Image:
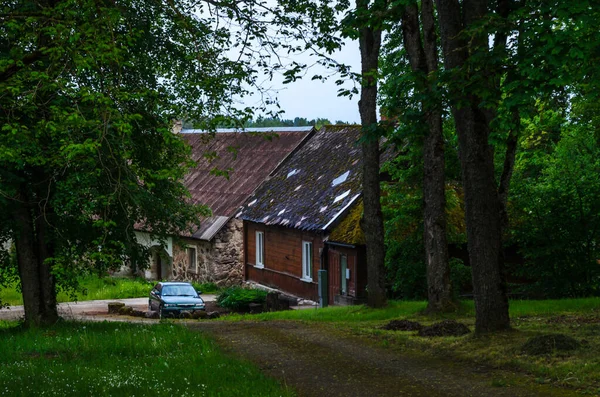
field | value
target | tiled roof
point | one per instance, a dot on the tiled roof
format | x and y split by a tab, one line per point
314	186
248	156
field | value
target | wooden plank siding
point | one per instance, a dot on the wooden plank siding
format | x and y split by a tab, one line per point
282	259
335	276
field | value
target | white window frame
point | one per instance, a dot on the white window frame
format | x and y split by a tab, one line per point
260	249
192	267
307	260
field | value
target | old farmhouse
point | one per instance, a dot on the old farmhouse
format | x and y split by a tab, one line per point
230	166
305	217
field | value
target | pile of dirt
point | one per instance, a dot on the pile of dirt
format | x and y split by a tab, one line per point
548	344
402	325
445	328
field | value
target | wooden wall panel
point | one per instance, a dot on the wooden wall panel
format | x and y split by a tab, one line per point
283	259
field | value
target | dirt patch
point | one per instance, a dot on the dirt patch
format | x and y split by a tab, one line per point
402	325
445	328
548	344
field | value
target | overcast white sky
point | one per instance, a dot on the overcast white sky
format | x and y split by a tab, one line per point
315	99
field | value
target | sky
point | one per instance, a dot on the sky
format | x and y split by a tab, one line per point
313	99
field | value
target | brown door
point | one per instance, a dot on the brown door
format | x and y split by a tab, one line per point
333	274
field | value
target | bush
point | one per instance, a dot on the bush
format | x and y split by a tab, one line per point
460	275
238	298
206	287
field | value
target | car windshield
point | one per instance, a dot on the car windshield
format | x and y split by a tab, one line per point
179	290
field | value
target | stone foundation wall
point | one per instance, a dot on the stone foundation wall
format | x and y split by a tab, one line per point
219	261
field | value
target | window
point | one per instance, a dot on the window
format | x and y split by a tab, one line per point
191	251
307	251
260	249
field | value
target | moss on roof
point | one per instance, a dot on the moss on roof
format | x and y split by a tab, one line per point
348	231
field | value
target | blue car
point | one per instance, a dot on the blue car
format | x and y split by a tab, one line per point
170	299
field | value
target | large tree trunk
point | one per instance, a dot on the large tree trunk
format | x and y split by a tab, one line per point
27	262
423	59
482	202
33	248
370	43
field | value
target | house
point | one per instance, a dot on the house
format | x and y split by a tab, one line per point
306	217
231	164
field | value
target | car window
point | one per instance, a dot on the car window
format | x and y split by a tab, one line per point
179	290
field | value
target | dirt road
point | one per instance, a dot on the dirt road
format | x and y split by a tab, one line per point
317	360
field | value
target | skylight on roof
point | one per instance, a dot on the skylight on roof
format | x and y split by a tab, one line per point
342	196
292	173
340	179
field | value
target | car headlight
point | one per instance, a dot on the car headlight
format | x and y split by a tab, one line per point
170	305
199	304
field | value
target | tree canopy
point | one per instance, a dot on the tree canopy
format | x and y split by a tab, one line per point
89	94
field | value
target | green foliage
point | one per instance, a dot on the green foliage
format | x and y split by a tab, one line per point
76	359
88	288
403	214
556	212
461	277
238	298
206	287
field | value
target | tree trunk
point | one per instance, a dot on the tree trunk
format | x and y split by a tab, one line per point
482	202
423	59
37	282
28	270
47	280
372	222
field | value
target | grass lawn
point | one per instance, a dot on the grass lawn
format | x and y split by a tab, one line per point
578	318
118	359
94	287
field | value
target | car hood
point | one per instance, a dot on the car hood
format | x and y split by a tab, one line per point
186	300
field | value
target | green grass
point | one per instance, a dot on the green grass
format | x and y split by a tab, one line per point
109	359
94	288
579	318
346	314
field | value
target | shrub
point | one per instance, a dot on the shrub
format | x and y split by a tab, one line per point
206	287
238	298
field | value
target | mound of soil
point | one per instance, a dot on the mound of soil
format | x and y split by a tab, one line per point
402	325
547	344
445	328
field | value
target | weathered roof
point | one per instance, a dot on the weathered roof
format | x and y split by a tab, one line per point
315	186
248	157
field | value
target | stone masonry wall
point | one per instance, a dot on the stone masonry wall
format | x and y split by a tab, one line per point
219	261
